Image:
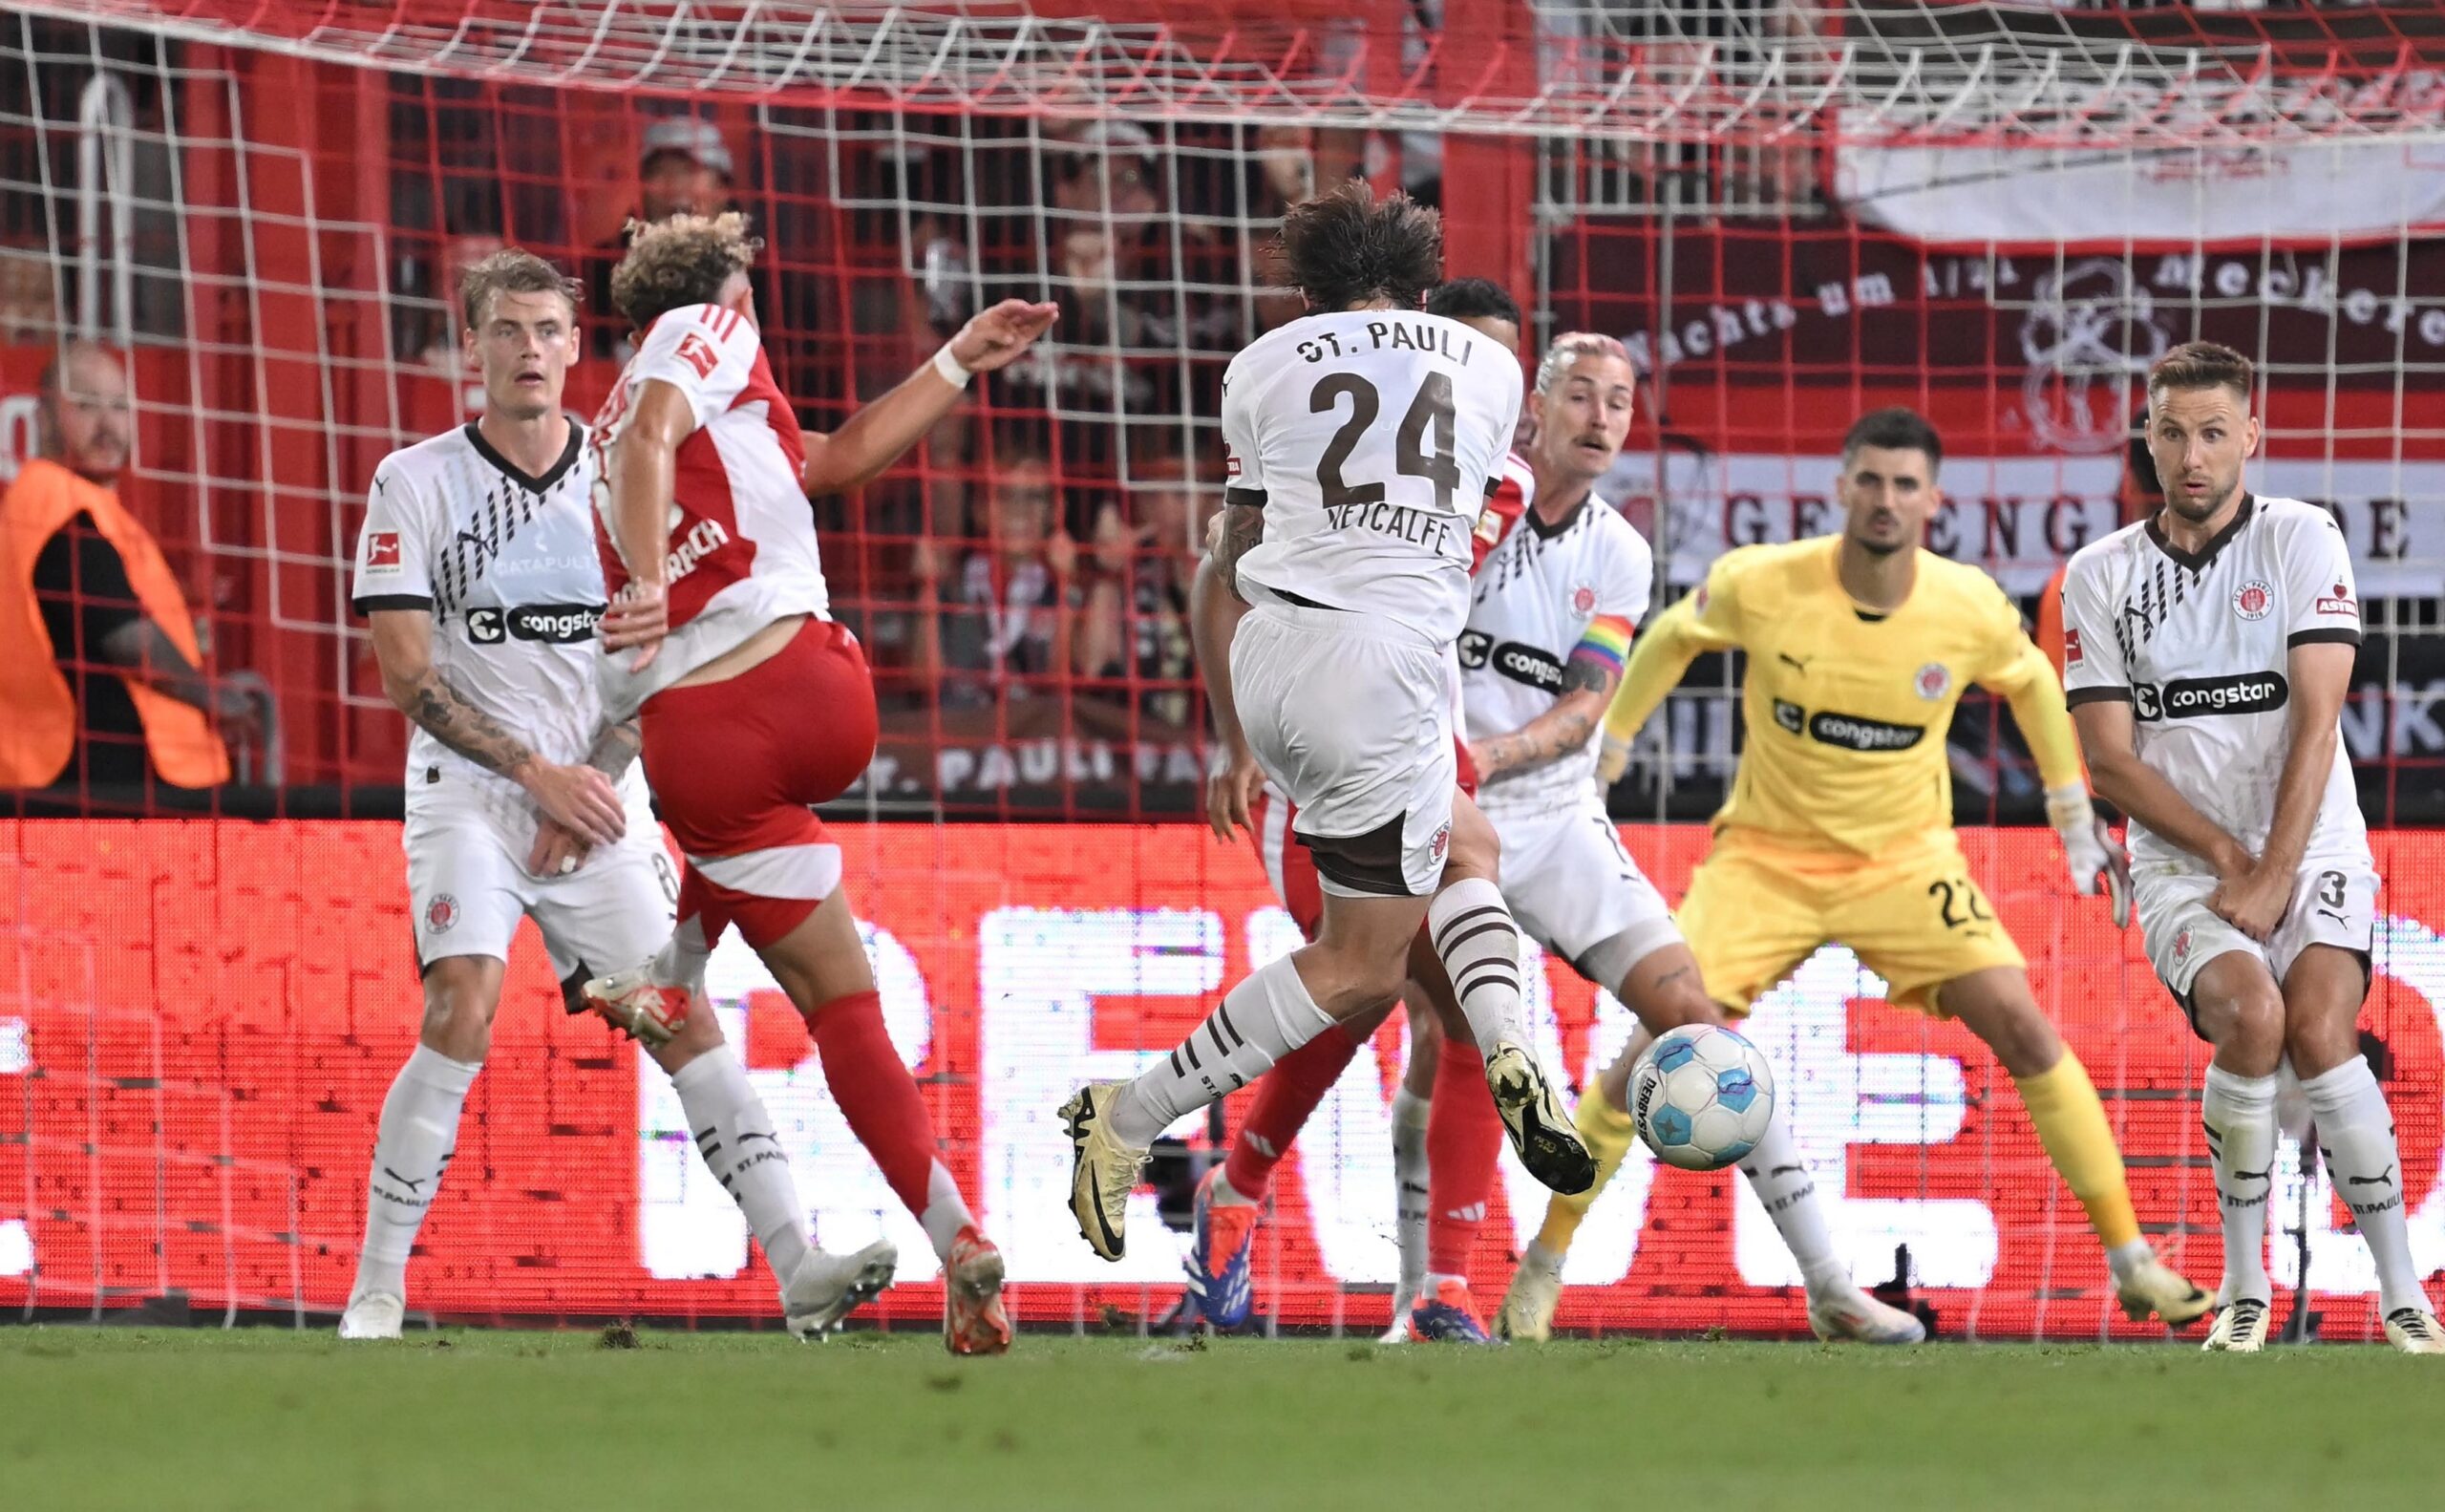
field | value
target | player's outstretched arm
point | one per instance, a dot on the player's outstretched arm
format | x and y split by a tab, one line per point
578	797
1214	614
1590	677
1671	641
2321	676
880	433
2136	788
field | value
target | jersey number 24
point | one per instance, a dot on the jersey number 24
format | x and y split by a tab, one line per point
1427	424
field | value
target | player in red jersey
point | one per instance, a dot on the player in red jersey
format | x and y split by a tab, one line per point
754	703
1446	1136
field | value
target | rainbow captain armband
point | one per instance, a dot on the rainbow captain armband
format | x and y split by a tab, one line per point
1605	645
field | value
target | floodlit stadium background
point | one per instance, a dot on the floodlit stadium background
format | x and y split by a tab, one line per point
1790	211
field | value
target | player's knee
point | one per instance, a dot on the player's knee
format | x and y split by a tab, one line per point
1351	986
1686	1003
2258	1016
699	1032
2247	1025
1998	1008
2318	1042
459	1012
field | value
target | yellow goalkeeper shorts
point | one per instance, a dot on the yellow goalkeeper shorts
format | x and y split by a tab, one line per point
1914	916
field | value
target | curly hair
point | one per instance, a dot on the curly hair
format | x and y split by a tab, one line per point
1348	248
511	270
678	262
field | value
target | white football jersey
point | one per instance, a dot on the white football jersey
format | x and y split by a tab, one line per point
1372	437
742	551
506	565
1535	597
2201	648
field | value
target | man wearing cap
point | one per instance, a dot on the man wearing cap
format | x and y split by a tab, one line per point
685	166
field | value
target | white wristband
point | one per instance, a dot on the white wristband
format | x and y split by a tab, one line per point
2068	808
949	367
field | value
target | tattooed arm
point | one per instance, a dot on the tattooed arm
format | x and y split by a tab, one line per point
577	798
1588	680
616	749
1243	527
559	849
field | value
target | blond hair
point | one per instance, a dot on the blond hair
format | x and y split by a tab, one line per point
511	270
1571	346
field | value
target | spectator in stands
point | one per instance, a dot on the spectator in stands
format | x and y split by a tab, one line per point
1136	622
29	302
686	167
101	679
1004	624
1138	290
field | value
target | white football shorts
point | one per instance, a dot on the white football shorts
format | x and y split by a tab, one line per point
1572	885
2335	901
1352	718
468	883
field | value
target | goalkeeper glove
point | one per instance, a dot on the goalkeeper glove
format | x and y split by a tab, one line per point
1612	762
2090	848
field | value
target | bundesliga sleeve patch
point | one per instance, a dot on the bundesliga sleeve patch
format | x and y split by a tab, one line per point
2073	655
382	552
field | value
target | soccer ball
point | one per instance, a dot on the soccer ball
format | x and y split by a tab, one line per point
1701	1097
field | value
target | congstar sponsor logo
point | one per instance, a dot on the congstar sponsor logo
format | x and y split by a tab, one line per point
1850	732
2197	697
554	624
1521	664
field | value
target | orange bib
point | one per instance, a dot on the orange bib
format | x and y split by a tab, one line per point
37	710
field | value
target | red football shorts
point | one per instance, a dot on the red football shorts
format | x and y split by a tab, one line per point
734	766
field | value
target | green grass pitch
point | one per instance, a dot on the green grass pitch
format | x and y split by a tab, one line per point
113	1418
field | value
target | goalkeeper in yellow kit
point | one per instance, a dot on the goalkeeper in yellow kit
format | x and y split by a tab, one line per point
1839	823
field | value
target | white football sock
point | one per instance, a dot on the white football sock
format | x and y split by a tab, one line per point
1409	1185
1478	943
1266	1017
2356	1136
946	1212
681	960
411	1148
735	1135
2239	1116
1781	1180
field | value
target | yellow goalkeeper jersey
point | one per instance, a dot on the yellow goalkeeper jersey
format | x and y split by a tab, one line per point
1847	709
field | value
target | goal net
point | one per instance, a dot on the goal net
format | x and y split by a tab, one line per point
1791	211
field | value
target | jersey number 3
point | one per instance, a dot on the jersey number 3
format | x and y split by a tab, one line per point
1424	448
